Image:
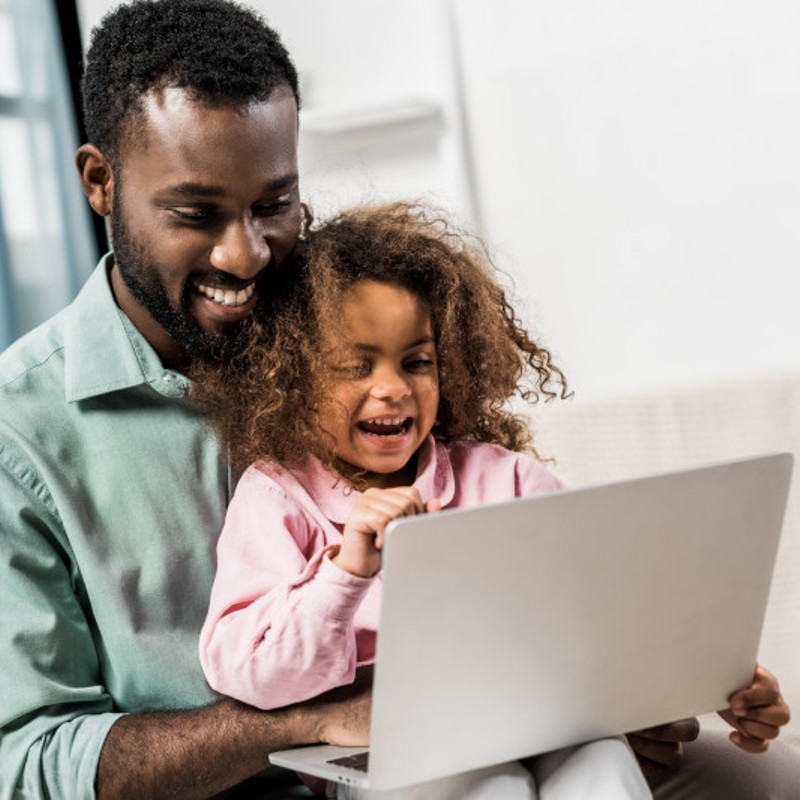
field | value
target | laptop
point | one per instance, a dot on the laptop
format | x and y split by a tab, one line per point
517	628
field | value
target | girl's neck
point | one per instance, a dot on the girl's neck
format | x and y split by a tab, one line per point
383	480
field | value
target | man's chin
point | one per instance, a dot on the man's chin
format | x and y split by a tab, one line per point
213	346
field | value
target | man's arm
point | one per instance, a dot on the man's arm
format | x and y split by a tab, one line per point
61	733
198	753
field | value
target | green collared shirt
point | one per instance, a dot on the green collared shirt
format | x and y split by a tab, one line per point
112	494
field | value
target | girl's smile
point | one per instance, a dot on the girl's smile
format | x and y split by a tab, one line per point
383	388
388	434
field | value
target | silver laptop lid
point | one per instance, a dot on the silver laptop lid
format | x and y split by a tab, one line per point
518	628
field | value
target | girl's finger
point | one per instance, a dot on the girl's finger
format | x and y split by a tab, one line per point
403	500
410	498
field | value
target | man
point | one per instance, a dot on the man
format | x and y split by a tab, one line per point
113	491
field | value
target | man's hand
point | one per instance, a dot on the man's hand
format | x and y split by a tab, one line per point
757	713
344	713
202	751
661	747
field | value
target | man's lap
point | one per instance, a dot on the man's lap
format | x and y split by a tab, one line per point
712	767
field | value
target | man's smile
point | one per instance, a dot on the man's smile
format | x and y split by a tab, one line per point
227	297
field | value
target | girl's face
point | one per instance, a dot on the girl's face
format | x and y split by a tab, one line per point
383	382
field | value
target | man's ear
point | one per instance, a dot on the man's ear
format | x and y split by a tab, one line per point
97	178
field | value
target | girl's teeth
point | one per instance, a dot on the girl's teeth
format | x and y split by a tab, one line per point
385	426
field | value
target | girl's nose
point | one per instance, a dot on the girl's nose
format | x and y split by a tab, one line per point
242	250
389	384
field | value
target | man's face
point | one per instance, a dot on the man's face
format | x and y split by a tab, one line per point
206	209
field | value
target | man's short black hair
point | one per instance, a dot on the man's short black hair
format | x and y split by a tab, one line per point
216	49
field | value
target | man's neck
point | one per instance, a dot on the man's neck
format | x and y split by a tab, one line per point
172	355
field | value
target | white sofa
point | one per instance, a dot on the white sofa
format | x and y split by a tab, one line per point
597	441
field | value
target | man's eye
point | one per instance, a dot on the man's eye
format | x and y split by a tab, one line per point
265	209
192	214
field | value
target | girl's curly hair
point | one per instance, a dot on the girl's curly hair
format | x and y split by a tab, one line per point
265	401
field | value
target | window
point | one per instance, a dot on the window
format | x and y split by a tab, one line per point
47	245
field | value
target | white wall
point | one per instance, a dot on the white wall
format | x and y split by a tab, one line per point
639	162
381	116
636	164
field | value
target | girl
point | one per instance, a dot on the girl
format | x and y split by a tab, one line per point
377	390
375	387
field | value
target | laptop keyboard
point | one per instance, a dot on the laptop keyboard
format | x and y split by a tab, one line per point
358	761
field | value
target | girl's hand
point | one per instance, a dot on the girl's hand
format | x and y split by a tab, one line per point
757	713
360	551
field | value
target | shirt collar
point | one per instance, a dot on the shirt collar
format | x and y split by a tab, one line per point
103	350
336	499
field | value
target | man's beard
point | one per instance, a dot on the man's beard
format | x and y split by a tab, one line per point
143	281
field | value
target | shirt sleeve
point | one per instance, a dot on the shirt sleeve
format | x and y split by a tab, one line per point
532	477
54	711
280	624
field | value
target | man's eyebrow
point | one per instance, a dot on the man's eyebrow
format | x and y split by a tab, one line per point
192	189
188	189
282	183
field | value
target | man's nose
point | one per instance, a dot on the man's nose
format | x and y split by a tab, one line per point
242	250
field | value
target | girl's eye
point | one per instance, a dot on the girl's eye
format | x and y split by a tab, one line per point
354	371
419	364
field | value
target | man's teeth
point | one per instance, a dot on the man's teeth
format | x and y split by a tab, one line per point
227	297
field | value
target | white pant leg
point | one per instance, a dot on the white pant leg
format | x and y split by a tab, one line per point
507	781
601	770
